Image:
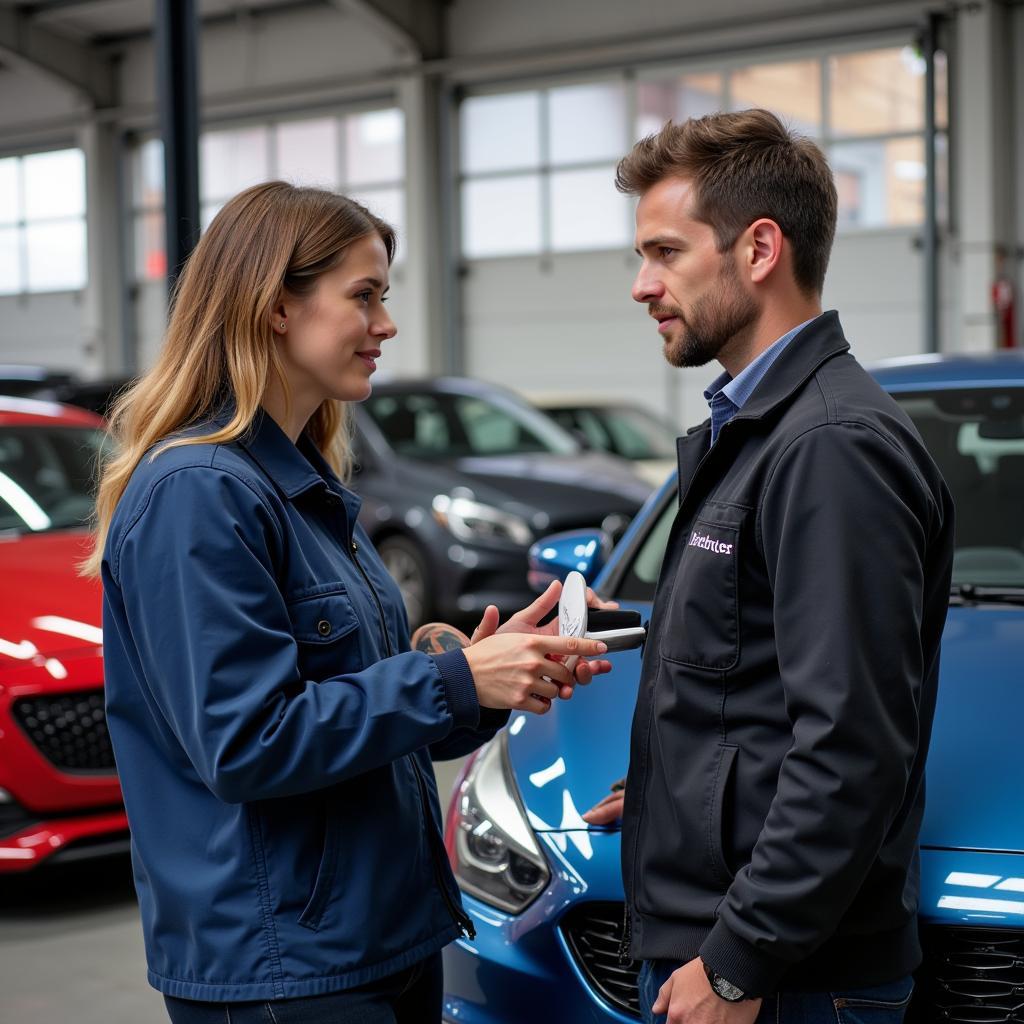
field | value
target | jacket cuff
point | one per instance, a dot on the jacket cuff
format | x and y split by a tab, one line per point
493	719
740	963
459	689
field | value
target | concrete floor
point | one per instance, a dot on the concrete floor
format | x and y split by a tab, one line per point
71	944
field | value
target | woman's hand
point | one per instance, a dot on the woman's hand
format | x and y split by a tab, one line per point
525	672
526	621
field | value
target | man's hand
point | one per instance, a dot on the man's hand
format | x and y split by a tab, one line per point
526	621
609	810
688	998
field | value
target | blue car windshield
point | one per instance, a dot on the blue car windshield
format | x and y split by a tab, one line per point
976	435
47	477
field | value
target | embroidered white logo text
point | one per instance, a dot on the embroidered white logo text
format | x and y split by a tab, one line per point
708	543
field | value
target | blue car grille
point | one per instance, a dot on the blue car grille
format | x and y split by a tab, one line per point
973	976
69	730
593	932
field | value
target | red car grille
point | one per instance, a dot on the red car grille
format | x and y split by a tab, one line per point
69	729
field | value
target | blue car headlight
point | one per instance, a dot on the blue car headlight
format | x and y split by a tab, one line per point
492	847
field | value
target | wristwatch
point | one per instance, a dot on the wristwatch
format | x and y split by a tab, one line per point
724	989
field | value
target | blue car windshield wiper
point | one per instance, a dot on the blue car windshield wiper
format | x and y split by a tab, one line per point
977	593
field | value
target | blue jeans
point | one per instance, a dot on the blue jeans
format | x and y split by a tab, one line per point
882	1004
412	996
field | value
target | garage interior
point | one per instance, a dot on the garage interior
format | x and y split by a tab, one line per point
487	132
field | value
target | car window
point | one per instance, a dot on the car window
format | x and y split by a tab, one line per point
430	425
976	436
638	581
47	476
636	435
494	431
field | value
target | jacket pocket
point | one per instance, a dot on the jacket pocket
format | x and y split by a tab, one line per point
702	629
323	885
322	617
716	820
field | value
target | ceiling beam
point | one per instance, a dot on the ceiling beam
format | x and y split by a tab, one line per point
22	42
415	27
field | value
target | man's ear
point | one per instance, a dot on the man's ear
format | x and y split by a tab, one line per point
764	249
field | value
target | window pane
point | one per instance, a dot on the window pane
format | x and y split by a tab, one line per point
56	256
586	210
231	161
389	205
880	184
306	152
150	250
676	99
373	147
10	262
10	191
501	216
148	174
500	133
791	89
55	184
877	92
587	122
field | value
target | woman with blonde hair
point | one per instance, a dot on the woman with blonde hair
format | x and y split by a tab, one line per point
272	728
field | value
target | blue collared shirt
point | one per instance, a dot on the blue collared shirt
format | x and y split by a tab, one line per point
727	395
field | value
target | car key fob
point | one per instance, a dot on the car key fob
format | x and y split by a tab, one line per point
620	630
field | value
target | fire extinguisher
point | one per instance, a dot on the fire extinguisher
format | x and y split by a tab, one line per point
1004	302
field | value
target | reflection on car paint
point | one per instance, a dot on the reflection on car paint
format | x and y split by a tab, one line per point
549	774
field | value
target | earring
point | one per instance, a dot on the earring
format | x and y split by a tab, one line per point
282	325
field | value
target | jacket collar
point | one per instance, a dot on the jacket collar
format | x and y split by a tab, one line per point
294	468
821	340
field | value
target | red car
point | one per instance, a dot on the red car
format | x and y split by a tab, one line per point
59	795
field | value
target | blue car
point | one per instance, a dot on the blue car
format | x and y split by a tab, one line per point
544	888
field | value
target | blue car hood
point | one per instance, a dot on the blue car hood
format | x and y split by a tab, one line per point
565	761
975	773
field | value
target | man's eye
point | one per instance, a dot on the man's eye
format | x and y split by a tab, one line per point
364	296
665	251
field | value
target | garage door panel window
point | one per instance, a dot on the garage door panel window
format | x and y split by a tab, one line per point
42	222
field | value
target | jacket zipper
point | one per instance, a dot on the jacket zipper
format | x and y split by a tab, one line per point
460	917
627	937
354	548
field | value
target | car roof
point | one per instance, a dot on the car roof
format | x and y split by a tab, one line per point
950	370
32	412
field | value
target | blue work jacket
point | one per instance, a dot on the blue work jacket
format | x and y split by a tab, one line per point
272	729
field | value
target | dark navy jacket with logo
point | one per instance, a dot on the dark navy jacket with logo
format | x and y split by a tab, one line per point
775	788
273	731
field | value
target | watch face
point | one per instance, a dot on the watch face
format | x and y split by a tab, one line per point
727	990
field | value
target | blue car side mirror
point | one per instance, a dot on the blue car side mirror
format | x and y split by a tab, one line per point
555	556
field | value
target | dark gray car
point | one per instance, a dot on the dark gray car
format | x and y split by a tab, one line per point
459	477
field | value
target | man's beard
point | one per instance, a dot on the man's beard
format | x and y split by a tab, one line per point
717	317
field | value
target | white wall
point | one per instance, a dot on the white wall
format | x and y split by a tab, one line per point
42	329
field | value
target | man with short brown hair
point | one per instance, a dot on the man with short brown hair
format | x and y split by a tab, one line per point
775	790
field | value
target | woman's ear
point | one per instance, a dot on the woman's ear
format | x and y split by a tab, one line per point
279	318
